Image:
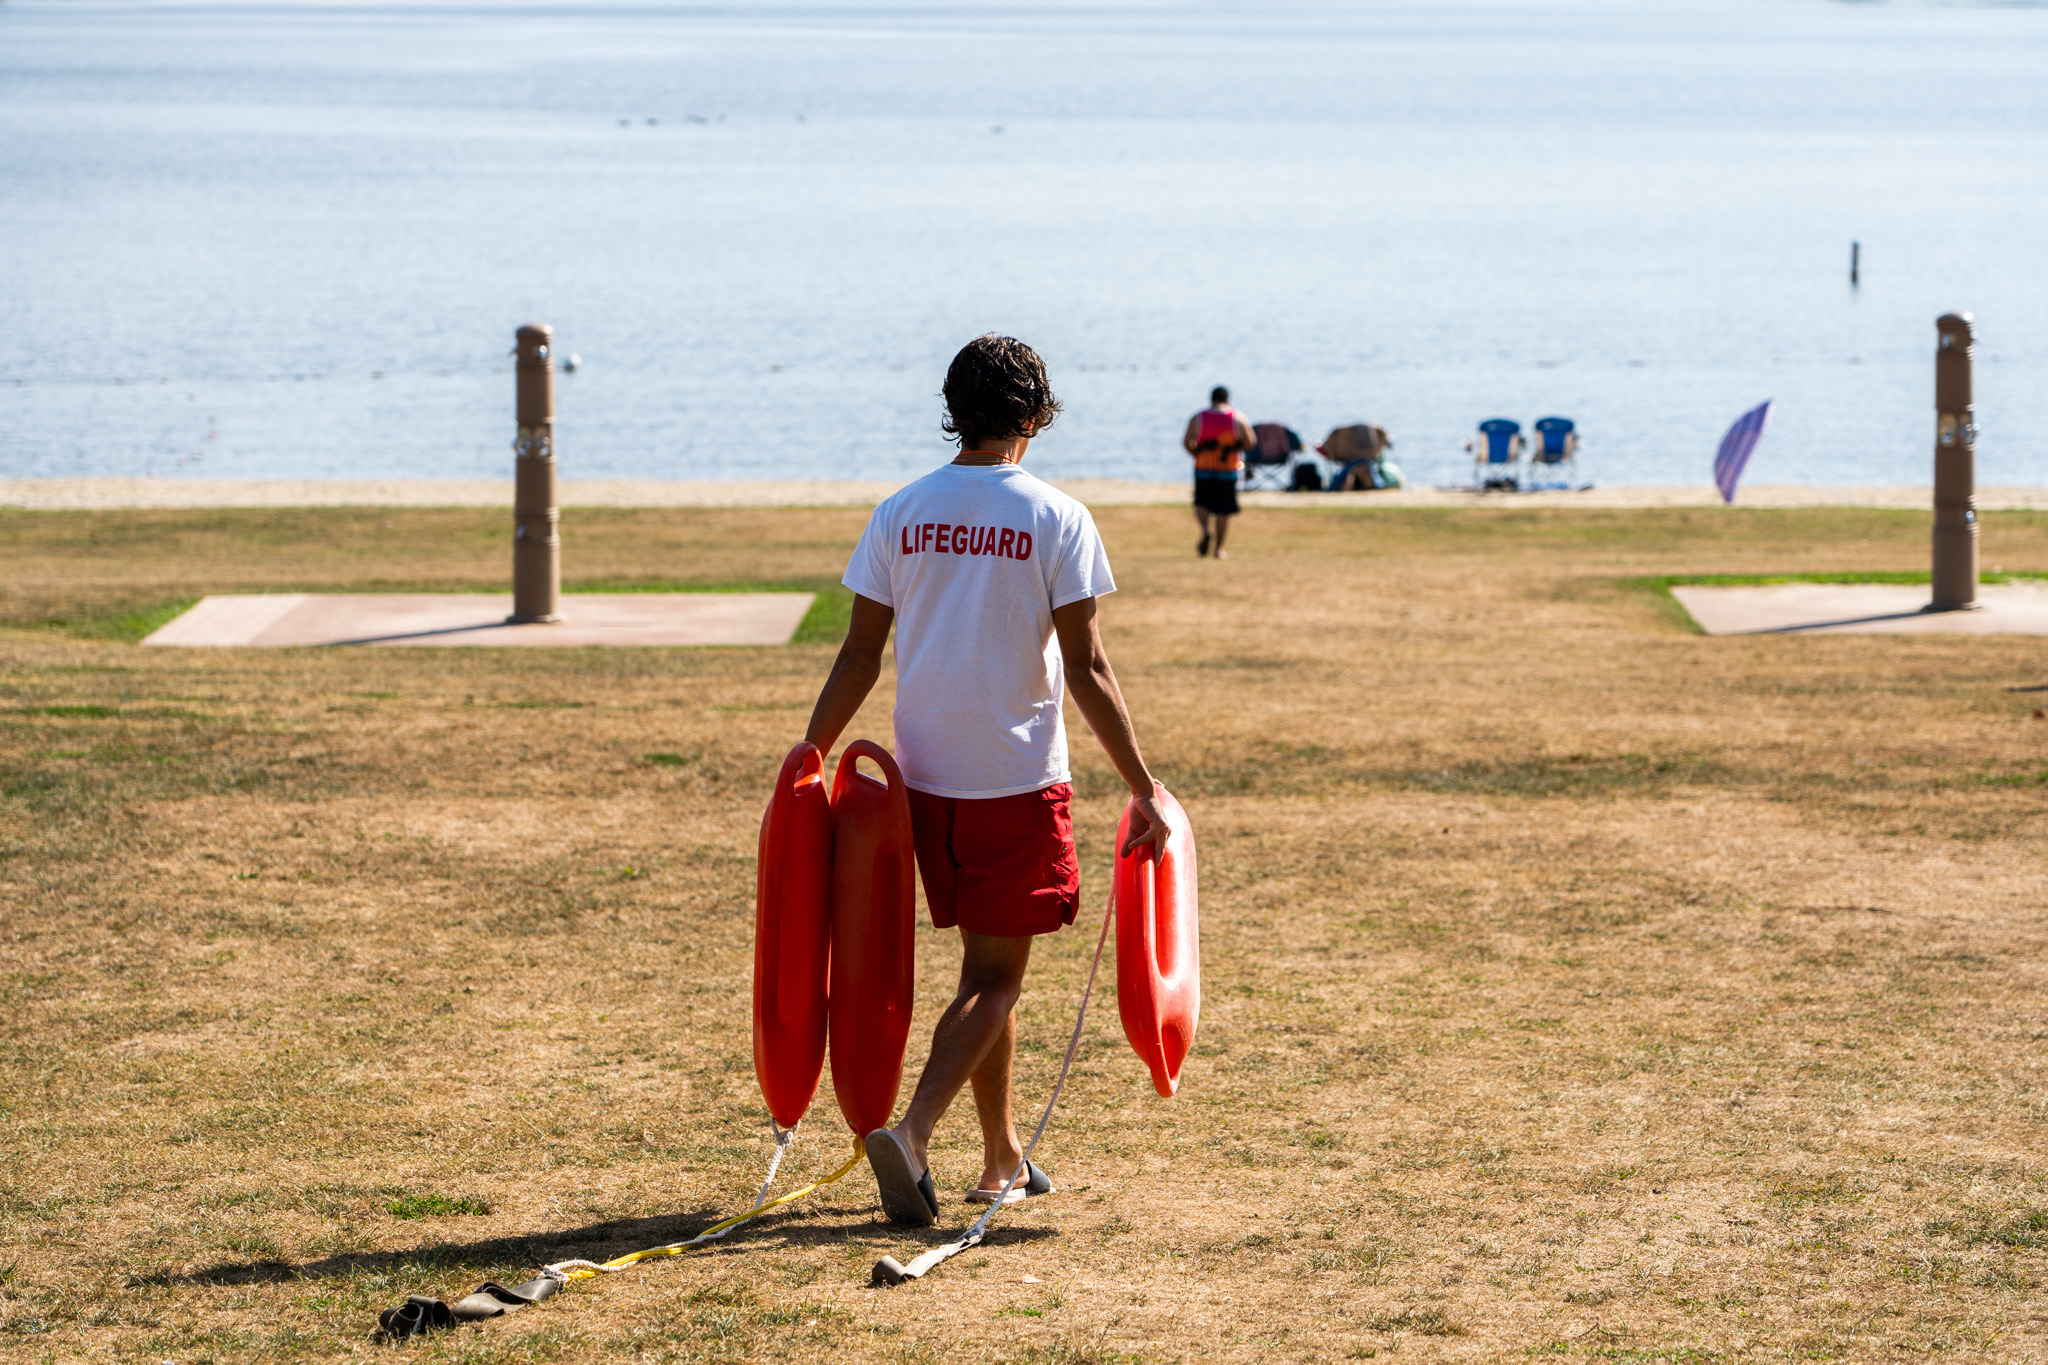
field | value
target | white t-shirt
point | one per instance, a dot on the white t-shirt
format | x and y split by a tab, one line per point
974	559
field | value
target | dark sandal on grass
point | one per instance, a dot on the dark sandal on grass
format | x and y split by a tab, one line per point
1035	1182
906	1198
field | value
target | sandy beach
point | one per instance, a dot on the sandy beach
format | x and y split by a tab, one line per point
110	493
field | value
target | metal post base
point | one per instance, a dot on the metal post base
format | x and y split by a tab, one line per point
1952	606
517	620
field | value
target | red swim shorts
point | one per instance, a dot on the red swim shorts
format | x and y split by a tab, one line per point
1001	865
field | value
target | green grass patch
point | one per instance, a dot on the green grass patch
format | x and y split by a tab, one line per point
1799	1191
435	1206
826	622
1427	1322
2021	779
126	624
2023	1231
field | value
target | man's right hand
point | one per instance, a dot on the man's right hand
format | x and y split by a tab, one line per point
1148	826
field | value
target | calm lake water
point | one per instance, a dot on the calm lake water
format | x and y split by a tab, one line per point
259	240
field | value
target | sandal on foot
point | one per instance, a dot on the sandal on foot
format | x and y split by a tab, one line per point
1035	1182
906	1198
1202	545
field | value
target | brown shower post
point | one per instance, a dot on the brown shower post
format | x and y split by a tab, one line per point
536	533
1955	467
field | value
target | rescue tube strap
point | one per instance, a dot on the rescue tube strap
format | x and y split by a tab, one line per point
420	1314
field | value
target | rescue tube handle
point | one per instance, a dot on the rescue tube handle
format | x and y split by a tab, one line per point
892	776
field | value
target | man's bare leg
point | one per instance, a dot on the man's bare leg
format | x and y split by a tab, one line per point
976	1024
1202	520
1000	1149
1222	530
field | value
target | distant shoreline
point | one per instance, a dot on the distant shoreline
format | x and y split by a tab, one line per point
108	494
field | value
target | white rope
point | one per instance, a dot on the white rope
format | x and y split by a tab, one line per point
886	1270
783	1138
973	1234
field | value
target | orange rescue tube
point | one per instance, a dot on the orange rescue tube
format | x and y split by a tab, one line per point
792	934
874	936
1158	946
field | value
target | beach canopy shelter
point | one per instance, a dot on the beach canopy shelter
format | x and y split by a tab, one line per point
1497	455
1358	451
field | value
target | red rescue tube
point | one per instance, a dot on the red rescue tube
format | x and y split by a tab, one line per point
1158	946
792	929
874	936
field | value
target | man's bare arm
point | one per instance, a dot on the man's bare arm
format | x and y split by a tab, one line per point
1187	439
853	673
1092	684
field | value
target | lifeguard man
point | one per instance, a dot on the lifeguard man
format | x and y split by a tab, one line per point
1217	436
990	578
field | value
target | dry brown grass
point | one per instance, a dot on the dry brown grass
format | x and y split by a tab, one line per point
1576	985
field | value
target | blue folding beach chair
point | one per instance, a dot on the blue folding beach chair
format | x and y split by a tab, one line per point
1270	461
1497	455
1554	463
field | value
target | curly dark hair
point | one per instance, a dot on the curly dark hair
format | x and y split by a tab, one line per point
996	389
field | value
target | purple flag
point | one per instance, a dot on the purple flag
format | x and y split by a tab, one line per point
1736	447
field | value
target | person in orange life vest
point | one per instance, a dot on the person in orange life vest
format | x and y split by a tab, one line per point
990	578
1217	437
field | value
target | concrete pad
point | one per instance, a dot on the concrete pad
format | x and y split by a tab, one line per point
1862	609
425	618
229	619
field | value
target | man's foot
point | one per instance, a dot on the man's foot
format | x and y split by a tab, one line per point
1035	1182
908	1195
1202	545
1223	554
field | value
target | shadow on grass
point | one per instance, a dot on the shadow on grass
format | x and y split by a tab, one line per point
497	1256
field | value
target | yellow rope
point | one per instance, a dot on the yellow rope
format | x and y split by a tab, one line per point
587	1271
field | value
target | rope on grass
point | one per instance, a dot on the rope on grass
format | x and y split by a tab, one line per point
571	1271
421	1314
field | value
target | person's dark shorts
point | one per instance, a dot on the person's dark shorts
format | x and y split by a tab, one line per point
1001	865
1217	495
